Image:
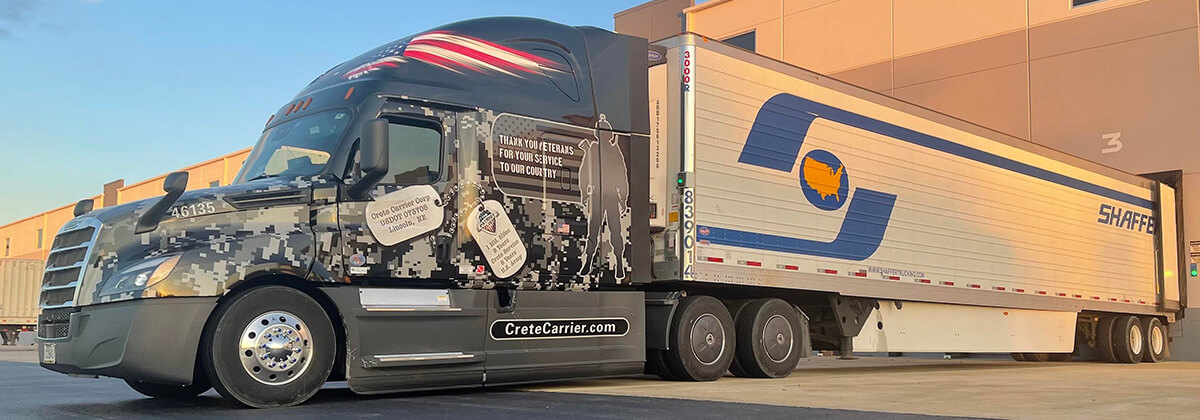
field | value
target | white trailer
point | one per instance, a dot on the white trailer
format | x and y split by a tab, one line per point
932	234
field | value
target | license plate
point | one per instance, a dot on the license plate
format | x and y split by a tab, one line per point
48	356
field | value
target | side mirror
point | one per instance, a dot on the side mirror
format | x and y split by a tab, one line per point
174	185
83	206
373	157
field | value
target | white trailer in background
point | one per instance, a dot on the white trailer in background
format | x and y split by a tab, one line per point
926	233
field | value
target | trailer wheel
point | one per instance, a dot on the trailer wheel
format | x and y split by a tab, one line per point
1104	338
198	386
735	310
1060	357
1129	340
702	340
1020	357
767	338
1036	357
270	346
1156	340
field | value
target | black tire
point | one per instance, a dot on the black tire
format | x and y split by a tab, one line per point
704	321
1036	357
768	338
1020	357
1060	357
656	364
735	310
223	354
1156	340
1129	340
1104	338
171	392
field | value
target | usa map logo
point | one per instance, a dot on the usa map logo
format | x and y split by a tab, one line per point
775	142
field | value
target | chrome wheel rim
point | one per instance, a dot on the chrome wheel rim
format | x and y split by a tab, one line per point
1135	339
275	348
708	339
777	338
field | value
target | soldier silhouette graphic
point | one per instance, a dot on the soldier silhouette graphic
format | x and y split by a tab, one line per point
604	189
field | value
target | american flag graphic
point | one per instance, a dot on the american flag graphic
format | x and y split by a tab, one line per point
458	53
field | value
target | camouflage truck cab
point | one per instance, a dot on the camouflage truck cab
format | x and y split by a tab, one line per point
457	179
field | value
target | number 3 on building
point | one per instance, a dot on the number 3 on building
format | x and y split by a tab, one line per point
1114	144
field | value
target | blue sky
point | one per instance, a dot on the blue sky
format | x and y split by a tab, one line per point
97	90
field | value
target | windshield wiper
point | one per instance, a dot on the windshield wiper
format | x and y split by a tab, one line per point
263	175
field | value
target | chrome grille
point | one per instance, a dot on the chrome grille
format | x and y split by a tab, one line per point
64	269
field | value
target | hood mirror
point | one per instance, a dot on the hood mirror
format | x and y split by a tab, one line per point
174	185
83	206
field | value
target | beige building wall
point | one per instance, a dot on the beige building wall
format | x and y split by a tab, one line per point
20	239
1041	70
652	20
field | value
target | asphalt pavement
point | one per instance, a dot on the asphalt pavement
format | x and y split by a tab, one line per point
32	392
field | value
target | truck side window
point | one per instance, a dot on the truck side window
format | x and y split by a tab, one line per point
415	152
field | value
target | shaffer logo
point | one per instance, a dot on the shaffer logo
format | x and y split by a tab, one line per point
776	141
539	329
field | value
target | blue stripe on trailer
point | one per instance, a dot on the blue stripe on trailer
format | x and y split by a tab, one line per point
783	121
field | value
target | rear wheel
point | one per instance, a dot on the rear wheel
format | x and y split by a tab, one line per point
1104	338
271	346
1060	357
1156	340
702	340
656	364
767	338
1129	340
735	310
1036	357
198	386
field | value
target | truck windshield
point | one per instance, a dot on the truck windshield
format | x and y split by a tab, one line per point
296	148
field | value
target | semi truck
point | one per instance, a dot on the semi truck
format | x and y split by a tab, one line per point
20	283
510	200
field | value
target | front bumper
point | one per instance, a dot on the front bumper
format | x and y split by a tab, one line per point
150	340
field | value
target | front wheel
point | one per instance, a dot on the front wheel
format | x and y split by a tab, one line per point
153	390
270	346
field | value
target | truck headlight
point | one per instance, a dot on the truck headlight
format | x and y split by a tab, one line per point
138	279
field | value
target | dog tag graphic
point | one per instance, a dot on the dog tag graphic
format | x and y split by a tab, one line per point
404	214
497	238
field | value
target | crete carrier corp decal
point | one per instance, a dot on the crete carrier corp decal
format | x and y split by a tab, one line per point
536	329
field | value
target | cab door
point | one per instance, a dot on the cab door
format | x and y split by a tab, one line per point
401	232
396	243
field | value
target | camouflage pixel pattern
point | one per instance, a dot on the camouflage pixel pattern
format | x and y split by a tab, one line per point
308	228
217	249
